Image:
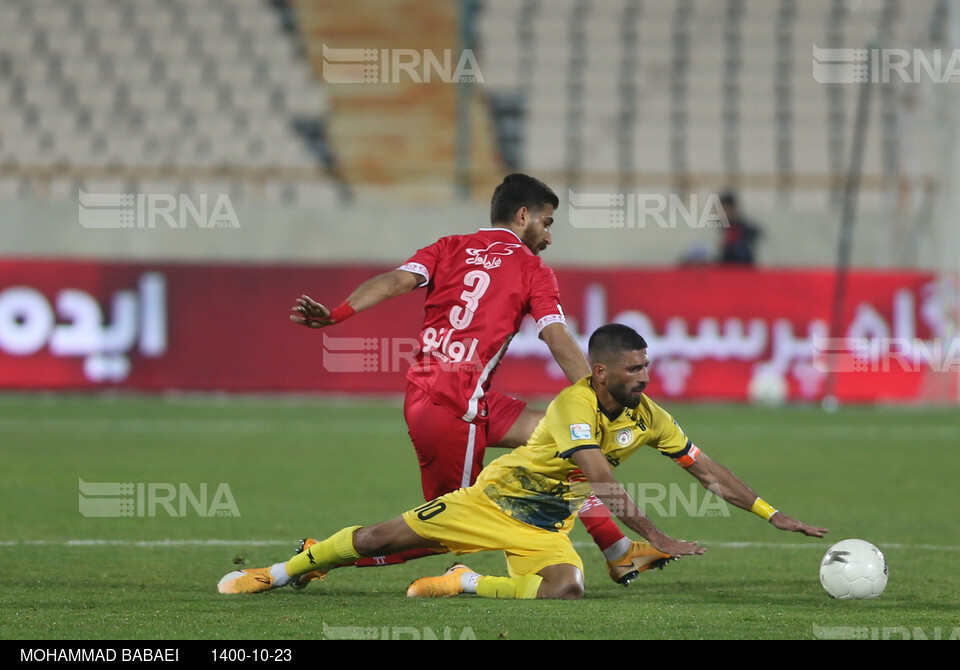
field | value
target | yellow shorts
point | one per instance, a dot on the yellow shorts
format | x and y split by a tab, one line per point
466	521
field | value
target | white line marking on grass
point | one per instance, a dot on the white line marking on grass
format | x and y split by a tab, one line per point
279	543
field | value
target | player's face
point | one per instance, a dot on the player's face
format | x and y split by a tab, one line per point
536	233
628	377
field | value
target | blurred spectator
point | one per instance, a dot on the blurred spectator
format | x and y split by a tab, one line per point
740	236
698	253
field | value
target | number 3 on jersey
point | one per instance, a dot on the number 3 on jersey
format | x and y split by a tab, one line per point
477	282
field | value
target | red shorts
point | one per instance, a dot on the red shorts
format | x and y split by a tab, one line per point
449	449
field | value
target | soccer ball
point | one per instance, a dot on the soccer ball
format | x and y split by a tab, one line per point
767	388
853	569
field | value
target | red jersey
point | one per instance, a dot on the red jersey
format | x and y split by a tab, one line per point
479	288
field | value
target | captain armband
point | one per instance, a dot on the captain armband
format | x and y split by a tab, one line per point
687	456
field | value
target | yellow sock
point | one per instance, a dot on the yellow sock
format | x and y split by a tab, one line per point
336	550
525	586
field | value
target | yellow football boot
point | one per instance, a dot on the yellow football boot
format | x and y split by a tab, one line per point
639	557
444	586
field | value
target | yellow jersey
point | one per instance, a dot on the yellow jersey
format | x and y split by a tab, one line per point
539	484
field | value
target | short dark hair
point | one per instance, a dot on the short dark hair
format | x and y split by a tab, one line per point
613	339
520	190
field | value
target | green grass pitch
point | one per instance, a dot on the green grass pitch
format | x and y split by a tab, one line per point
309	467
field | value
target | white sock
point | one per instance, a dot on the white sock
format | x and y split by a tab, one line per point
617	549
279	573
468	580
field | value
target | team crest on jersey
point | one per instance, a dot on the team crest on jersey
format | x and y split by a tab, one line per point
624	437
489	258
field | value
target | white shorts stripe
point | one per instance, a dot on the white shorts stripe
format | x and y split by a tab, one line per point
468	459
473	405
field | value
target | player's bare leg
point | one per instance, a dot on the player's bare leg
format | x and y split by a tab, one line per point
369	536
521	430
342	548
391	537
562	581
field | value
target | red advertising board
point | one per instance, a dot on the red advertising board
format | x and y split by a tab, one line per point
713	333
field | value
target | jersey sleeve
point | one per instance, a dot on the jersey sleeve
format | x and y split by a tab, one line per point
424	262
669	438
572	422
545	298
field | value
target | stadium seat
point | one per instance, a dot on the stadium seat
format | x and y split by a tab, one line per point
707	77
143	85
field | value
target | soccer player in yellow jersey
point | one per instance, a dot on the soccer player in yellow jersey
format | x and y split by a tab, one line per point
524	503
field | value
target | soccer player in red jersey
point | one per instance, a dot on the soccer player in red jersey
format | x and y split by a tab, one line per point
480	286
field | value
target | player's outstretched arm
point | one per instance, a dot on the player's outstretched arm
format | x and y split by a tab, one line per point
784	522
728	486
566	351
308	312
595	468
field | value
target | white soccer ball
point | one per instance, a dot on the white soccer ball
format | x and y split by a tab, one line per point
853	569
768	388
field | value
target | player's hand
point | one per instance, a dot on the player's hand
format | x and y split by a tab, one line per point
310	313
784	522
676	548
